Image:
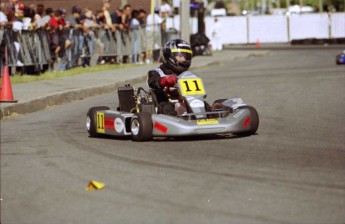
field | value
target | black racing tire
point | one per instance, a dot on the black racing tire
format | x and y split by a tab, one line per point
219	101
141	127
91	124
337	60
254	121
218	105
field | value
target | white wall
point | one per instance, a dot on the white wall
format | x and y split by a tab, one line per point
234	29
268	29
309	26
278	28
337	25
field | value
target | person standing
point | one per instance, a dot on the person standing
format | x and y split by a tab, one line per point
10	9
142	20
90	26
125	22
217	44
153	33
135	36
76	36
165	9
107	17
39	14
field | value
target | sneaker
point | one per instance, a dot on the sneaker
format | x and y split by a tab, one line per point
20	64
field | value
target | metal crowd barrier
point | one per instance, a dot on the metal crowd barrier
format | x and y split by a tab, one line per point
34	48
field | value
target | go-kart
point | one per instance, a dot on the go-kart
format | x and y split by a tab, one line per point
340	58
137	114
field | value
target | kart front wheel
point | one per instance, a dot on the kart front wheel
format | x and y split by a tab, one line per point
141	127
91	122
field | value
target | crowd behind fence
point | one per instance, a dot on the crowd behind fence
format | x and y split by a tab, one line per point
33	51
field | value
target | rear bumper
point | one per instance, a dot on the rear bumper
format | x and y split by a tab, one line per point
164	125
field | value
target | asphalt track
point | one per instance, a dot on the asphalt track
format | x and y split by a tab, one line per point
291	171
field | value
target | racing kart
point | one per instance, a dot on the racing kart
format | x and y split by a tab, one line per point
137	115
340	58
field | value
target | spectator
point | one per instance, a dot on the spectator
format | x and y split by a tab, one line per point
46	19
55	28
116	19
99	17
64	40
153	29
165	9
142	20
89	23
142	17
3	17
18	26
125	17
19	11
29	22
10	9
62	21
125	25
39	15
3	23
135	36
77	40
217	36
107	18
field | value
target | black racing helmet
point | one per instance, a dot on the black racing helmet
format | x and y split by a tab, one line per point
173	51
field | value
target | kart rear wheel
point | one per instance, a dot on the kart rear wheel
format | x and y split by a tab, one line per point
254	121
141	127
91	124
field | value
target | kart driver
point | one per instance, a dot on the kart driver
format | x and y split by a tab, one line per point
177	58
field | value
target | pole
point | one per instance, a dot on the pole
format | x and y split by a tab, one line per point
123	3
184	20
152	25
201	15
321	5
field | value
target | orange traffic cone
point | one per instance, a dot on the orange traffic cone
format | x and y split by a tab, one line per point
257	44
6	95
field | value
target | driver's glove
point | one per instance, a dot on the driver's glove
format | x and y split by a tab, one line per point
169	81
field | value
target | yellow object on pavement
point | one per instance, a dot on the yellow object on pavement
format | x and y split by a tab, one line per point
95	185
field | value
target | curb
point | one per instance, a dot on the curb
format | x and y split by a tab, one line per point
62	98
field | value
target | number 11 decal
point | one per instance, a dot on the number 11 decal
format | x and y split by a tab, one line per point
191	86
195	83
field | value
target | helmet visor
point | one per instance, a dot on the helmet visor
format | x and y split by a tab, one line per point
182	56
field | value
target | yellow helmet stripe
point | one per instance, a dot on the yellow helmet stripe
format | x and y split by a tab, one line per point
181	50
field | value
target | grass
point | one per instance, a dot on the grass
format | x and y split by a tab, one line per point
49	75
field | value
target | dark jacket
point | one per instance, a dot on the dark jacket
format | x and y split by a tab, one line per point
154	79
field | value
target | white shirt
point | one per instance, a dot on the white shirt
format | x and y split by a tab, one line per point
217	29
156	20
3	17
166	8
45	19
